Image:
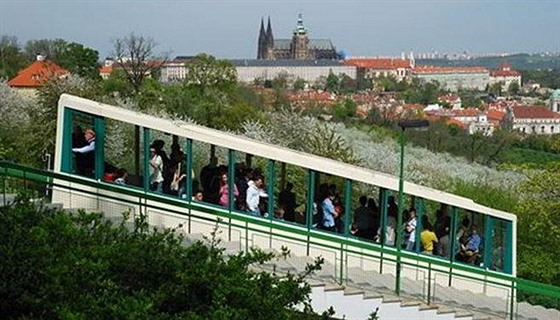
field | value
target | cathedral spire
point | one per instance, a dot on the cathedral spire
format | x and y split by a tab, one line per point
269	36
262	41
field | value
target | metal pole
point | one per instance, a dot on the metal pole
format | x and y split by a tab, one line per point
399	216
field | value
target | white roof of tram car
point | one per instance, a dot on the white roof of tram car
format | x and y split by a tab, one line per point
273	152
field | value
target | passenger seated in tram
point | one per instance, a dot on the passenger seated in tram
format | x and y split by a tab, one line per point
121	176
469	251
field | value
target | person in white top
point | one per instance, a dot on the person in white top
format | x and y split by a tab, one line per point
411	230
86	160
254	192
156	169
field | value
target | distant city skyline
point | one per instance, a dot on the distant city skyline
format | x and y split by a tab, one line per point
229	29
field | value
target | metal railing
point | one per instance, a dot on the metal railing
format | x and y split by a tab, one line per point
426	278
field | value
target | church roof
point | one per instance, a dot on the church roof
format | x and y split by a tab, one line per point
285	63
314	44
536	112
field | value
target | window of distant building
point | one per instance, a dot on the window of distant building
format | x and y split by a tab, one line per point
542	129
551	129
523	130
533	129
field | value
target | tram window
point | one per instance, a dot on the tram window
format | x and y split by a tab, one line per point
499	240
470	238
124	153
329	203
83	135
256	189
209	163
290	193
365	220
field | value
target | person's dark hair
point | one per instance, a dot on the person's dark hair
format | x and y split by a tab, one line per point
371	204
289	186
121	172
363	201
426	223
466	222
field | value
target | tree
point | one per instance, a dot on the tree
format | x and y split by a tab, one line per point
79	60
205	71
58	265
11	58
299	84
495	89
539	233
135	55
513	88
347	84
333	83
344	109
52	49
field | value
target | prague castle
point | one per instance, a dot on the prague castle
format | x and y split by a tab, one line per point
299	47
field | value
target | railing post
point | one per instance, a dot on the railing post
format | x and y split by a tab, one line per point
189	169
309	207
429	283
453	234
99	166
488	239
382	231
231	187
146	177
270	192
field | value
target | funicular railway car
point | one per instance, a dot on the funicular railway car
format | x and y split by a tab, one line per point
201	179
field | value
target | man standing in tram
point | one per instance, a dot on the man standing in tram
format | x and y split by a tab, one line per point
86	161
156	171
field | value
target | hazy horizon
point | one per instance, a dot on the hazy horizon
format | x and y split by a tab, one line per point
229	29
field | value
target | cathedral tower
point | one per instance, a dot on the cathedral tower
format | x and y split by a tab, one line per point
300	41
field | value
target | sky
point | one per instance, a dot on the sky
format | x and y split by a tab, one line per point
229	29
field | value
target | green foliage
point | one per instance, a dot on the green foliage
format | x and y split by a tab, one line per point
80	60
78	266
549	78
422	92
538	216
495	89
333	83
117	83
299	84
205	71
11	58
513	88
344	109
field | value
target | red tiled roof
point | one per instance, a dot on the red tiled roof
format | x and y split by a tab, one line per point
106	70
432	69
455	122
495	115
450	97
470	112
537	112
504	73
379	63
36	74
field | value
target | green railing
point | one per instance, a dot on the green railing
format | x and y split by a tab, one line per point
16	177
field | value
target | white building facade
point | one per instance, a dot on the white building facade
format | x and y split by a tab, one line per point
308	70
454	78
533	120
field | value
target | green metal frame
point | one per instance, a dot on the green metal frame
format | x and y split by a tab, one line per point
231	179
146	138
488	243
99	125
189	169
270	188
67	162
